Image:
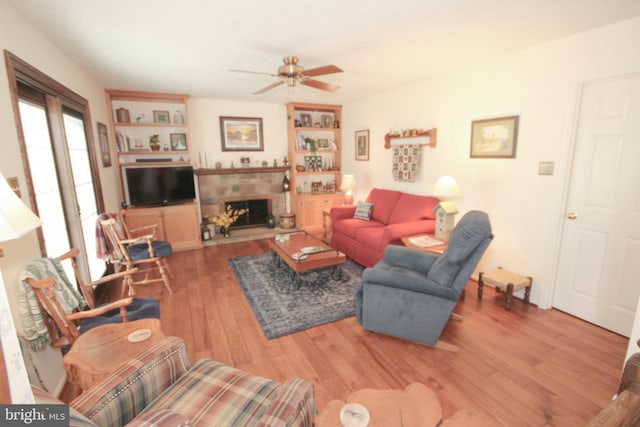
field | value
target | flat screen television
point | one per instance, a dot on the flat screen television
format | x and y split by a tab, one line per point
158	185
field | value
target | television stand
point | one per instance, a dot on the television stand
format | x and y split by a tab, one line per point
176	223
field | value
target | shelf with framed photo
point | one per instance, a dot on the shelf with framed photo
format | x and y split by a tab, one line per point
314	148
151	130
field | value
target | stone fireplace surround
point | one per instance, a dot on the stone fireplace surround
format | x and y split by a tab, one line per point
217	186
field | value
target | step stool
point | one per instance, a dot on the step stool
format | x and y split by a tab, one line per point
505	281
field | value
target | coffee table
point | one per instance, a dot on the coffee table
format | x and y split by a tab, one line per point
314	253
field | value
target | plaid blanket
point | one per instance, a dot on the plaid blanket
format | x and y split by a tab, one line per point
35	328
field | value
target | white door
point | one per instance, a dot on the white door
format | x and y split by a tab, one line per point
598	276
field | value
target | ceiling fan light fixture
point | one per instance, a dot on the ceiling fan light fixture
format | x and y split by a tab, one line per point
291	73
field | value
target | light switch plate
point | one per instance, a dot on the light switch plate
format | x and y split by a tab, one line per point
545	168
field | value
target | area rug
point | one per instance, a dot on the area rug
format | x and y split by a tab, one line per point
281	308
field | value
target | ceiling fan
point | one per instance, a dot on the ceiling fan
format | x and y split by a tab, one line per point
291	73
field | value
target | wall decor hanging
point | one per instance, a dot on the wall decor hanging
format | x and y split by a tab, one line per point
241	134
494	138
362	144
407	154
406	161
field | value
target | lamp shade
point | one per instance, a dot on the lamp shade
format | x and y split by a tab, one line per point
348	183
446	187
16	219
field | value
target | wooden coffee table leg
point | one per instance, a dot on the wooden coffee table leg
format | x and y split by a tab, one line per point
336	274
509	296
480	285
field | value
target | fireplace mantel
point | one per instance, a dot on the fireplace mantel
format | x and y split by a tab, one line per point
240	170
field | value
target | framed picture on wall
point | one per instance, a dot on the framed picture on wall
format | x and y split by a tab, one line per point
105	150
494	138
241	134
362	144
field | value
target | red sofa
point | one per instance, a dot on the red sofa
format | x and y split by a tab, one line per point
394	215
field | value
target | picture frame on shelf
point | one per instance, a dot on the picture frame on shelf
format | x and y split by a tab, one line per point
241	134
105	150
178	141
322	143
161	116
326	120
305	120
494	138
362	145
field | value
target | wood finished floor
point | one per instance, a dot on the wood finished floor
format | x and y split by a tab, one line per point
527	367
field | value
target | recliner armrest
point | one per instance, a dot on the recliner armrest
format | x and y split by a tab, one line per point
399	277
413	259
121	396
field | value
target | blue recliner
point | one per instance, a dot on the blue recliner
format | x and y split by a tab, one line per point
411	293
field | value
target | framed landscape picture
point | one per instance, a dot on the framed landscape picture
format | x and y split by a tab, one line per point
494	138
241	134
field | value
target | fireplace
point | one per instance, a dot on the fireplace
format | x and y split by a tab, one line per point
259	209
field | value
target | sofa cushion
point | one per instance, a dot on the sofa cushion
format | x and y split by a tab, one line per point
411	207
371	238
349	227
213	394
160	418
384	201
363	211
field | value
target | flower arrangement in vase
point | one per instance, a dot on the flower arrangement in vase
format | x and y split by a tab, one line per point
227	218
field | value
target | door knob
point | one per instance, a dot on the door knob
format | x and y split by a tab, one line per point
572	215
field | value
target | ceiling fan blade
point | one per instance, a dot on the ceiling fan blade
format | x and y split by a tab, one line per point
320	85
254	72
268	88
327	69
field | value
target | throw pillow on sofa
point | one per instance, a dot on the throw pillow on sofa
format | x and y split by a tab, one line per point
363	211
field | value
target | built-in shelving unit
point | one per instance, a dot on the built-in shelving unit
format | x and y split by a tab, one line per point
315	154
135	117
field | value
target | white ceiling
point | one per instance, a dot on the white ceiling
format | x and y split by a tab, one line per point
188	46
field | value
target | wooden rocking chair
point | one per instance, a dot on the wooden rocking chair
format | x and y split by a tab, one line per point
65	325
132	251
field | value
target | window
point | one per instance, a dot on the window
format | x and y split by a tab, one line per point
60	163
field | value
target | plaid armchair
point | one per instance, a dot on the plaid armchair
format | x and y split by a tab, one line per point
160	387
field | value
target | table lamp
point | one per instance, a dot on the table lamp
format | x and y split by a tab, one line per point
16	220
445	188
348	185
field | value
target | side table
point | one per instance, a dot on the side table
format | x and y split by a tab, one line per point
415	406
505	281
103	349
436	249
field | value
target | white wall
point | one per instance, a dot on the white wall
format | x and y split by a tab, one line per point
18	36
539	85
